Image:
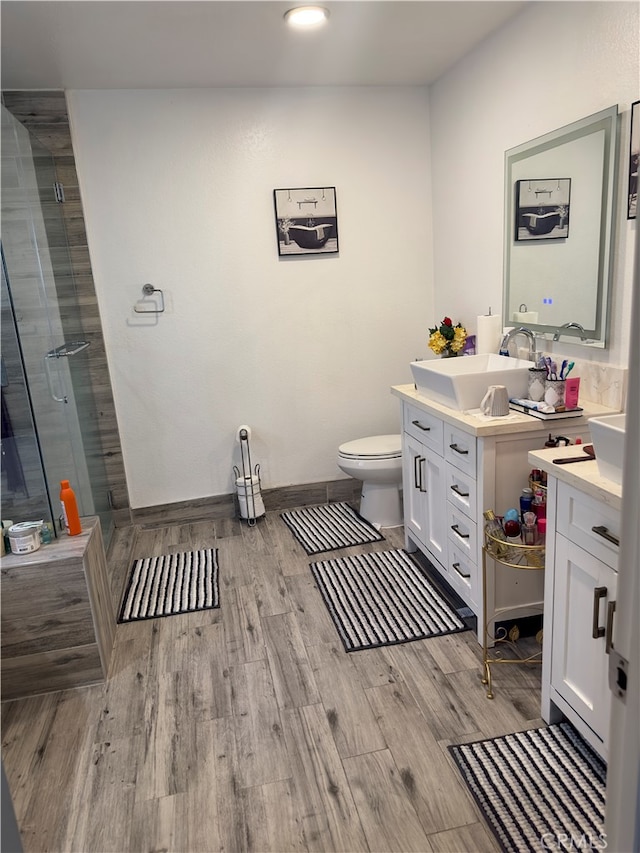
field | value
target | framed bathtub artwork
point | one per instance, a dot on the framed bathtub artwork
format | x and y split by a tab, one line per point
542	208
634	156
306	220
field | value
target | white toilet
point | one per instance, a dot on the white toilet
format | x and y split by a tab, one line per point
377	461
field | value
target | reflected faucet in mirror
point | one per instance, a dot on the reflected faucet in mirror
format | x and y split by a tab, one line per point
512	333
581	331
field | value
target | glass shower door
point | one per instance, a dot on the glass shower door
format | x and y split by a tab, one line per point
54	338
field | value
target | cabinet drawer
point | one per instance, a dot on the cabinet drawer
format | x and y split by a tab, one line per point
460	449
589	523
462	575
425	427
461	490
462	533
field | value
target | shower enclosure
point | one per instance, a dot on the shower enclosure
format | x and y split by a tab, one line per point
49	416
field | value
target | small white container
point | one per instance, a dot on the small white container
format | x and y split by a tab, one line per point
24	538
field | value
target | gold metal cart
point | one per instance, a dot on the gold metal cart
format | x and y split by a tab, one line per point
519	558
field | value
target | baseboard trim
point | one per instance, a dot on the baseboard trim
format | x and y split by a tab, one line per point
225	506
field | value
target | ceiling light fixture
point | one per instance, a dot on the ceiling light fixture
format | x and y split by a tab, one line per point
306	16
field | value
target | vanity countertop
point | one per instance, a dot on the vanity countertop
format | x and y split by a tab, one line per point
475	423
584	476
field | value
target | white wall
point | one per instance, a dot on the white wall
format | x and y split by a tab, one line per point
177	191
552	65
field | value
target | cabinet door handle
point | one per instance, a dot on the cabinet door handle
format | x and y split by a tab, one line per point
420	426
456	566
455	489
601	530
457	450
597	630
608	637
455	529
416	473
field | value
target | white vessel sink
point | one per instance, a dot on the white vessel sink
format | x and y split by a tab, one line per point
462	382
607	435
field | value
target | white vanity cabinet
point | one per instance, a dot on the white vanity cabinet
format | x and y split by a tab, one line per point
443	529
580	599
455	466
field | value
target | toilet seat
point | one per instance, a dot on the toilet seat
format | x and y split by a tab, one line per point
372	447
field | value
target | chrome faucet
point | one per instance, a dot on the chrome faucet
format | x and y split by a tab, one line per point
558	332
512	333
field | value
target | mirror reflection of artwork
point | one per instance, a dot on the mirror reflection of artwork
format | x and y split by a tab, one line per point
542	208
306	220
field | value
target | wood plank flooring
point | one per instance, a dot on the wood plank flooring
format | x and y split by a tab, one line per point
248	728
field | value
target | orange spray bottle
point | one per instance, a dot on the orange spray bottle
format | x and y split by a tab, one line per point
69	509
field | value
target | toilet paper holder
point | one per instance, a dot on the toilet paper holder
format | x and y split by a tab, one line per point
248	481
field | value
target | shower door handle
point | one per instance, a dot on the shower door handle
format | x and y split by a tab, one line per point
47	371
67	350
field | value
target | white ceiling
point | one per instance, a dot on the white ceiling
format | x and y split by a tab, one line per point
91	44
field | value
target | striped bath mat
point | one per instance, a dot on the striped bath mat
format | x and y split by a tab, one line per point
381	599
173	583
328	527
542	789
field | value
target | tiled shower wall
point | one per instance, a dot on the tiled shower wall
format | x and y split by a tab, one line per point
44	114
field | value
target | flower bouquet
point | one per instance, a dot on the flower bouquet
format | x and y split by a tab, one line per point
447	339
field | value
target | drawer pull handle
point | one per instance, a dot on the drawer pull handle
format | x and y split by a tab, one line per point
457	450
455	529
597	629
608	637
455	489
601	530
456	566
420	426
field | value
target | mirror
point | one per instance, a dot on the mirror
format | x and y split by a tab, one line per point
559	216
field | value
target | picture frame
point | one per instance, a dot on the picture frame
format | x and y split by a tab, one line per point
306	221
634	157
542	208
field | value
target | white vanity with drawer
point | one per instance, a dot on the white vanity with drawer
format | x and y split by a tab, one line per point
583	535
455	466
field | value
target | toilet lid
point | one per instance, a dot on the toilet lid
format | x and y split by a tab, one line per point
379	446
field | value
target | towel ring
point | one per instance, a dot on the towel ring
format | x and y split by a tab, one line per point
149	290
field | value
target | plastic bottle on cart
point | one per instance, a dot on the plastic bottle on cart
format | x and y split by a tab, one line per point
539	505
69	509
526	499
529	529
542	530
